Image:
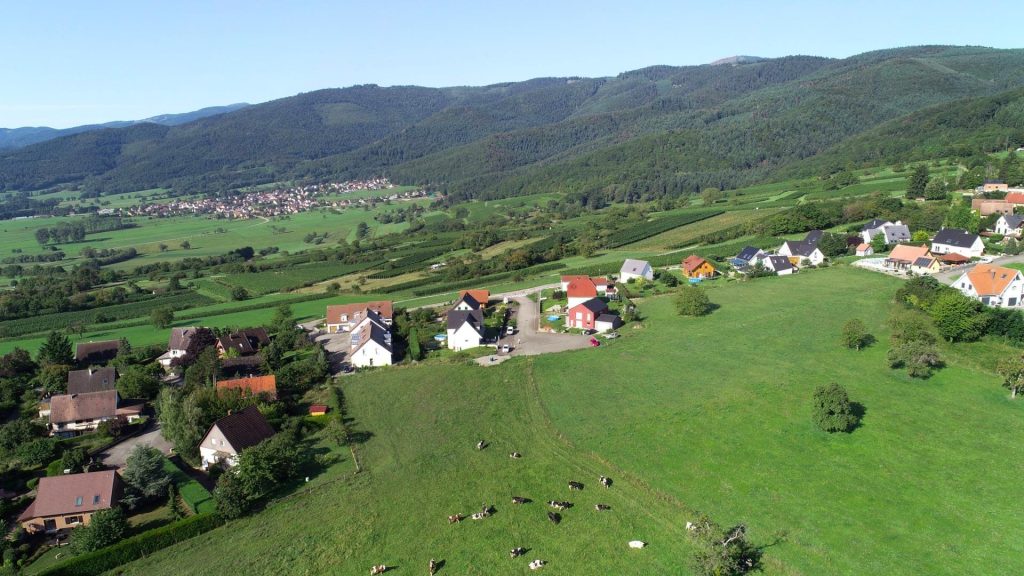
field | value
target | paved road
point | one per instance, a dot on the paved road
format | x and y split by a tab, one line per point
528	341
117	455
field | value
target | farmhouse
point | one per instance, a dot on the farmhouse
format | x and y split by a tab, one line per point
345	317
579	290
96	353
242	342
265	386
959	241
91	380
232	434
70	500
993	285
465	329
635	269
903	256
73	414
177	345
749	256
696	267
371	342
894	232
778	264
584	315
865	249
1009	225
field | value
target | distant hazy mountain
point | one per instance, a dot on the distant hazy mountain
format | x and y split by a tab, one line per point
738	60
662	130
18	137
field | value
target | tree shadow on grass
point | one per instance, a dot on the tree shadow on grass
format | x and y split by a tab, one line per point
859	411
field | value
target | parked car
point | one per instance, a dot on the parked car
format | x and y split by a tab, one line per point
505	349
611	335
510	330
595	342
347	368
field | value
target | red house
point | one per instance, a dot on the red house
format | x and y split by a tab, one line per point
584	315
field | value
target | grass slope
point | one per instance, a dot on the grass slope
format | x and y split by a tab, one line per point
716	412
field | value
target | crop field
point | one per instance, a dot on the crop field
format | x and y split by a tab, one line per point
689	234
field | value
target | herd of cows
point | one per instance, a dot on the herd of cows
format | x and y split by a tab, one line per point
487	510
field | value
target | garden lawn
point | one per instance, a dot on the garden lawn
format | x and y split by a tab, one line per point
716	411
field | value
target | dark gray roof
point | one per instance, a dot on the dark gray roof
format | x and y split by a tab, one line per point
896	233
245	342
876	223
955	237
802	247
241	366
748	253
612	318
87	353
595	305
1013	220
456	318
91	380
469	300
244	428
923	261
780	263
180	338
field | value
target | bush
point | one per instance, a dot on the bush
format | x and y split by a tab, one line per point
133	548
692	301
855	334
832	409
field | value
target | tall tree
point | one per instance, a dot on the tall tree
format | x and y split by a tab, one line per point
144	472
56	350
1012	371
692	301
917	182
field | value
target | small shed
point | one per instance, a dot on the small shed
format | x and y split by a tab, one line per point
318	410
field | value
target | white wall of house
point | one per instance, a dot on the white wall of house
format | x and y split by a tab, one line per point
576	300
464	337
974	251
79	426
1012	296
603	327
371	354
1002	228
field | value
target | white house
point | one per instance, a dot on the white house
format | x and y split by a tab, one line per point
371	343
778	264
804	250
177	345
345	317
956	241
579	290
749	256
635	269
865	249
1009	225
465	329
74	414
993	286
466	303
231	434
894	232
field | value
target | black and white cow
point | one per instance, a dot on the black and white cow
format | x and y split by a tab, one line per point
600	507
517	552
606	481
555	517
520	500
573	485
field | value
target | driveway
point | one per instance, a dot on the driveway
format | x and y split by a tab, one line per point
528	341
948	276
117	455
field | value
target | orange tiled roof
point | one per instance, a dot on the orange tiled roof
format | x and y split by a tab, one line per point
481	296
908	253
991	280
692	262
581	287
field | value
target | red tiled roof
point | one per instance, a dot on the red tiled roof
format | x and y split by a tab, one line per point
692	262
74	493
252	385
335	312
581	287
991	280
1015	198
481	296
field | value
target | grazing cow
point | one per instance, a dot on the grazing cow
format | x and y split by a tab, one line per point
517	552
573	485
455	518
519	500
478	516
557	505
606	481
434	566
378	569
600	507
537	564
555	517
481	445
690	526
487	509
637	544
515	455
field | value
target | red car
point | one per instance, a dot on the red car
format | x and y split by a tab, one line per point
595	342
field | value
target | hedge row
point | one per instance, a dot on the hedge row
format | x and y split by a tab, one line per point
133	548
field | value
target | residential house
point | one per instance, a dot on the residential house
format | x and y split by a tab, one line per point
604	286
635	269
73	414
242	342
1009	225
994	186
925	265
803	251
371	343
865	249
465	329
70	500
1015	198
345	317
231	434
960	241
778	264
177	345
694	266
579	290
251	386
749	256
988	206
466	302
894	232
481	296
92	380
607	322
584	315
241	366
96	353
903	256
993	285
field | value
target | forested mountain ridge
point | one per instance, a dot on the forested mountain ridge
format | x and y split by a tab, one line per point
648	132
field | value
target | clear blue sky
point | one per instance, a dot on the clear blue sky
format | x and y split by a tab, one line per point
66	63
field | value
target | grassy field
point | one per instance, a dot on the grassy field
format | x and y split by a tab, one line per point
689	234
709	414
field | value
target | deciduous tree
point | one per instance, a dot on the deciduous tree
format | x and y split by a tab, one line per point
832	409
692	301
855	334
